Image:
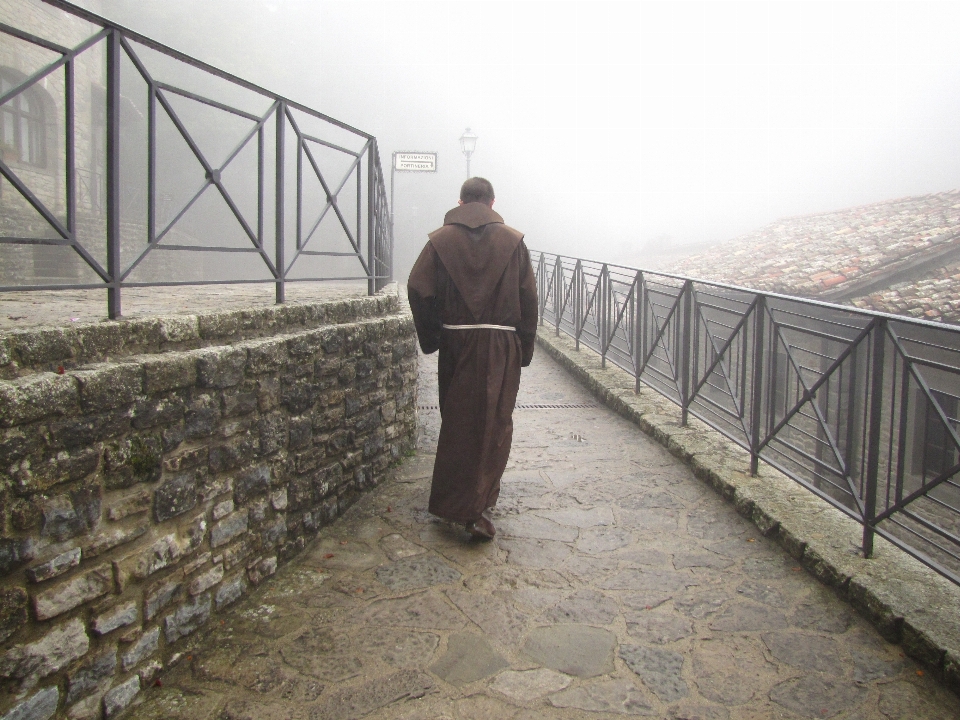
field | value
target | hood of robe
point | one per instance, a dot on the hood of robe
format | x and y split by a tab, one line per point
475	247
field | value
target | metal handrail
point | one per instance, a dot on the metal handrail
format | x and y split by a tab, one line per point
120	45
860	408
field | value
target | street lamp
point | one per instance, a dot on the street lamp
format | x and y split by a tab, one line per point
468	143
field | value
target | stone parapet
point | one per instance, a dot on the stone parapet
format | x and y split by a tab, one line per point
165	467
909	603
52	349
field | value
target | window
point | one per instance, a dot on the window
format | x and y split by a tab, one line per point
22	129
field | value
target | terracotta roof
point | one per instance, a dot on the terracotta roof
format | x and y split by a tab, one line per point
900	256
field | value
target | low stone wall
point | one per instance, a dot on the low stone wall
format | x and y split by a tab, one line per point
907	602
165	466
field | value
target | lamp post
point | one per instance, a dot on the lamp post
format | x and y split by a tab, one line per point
468	143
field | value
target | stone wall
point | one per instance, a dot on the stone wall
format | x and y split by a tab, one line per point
153	471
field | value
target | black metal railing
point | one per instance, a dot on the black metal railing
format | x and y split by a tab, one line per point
860	408
161	170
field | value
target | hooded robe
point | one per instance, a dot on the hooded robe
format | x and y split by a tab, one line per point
474	270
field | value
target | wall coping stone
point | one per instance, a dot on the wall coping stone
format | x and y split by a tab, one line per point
906	601
48	348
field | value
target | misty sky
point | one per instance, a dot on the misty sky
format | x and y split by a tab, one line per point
611	130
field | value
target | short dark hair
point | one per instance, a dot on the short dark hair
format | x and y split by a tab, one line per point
477	189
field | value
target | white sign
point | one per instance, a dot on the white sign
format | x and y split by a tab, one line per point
415	162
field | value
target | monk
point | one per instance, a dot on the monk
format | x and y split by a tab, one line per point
474	298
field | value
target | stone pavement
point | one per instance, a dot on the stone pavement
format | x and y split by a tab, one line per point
618	585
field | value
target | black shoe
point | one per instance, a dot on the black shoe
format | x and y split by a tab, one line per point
482	528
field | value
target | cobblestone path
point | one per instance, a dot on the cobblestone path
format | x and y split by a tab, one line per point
618	585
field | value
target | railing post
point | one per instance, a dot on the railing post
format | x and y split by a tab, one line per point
757	385
602	313
637	329
280	261
371	210
578	302
541	285
685	342
113	174
878	338
557	293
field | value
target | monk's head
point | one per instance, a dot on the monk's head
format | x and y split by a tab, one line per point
477	189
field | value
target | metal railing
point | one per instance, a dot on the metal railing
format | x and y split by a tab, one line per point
290	184
860	408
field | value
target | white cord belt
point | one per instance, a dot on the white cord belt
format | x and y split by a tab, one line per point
471	327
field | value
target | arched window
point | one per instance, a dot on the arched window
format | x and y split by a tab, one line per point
22	127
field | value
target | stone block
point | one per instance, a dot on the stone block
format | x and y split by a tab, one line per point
211	486
143	563
179	329
160	595
31	398
193	533
16	443
148	644
133	460
114	618
175	497
169	371
229	528
71	514
25	515
239	401
268	394
187	460
221	510
15	552
250	483
367	422
173	436
73	593
230	455
187	618
78	433
221	367
373	445
275	532
220	324
134	504
62	469
109	386
236	426
299	396
301	432
40	706
266	356
352	404
309	460
58	648
158	412
85	679
196	563
109	539
119	698
230	591
201	417
149	672
13	611
236	554
278	499
206	580
262	569
258	511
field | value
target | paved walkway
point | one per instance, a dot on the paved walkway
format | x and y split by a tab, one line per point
618	585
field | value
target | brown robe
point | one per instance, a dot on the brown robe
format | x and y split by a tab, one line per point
474	270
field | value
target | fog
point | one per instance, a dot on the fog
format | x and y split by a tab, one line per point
616	131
